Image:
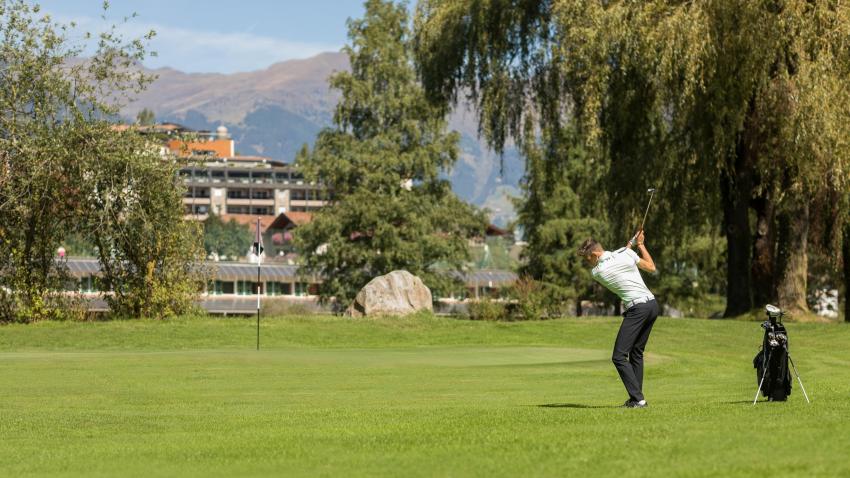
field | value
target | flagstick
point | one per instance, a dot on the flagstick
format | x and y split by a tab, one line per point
258	304
258	249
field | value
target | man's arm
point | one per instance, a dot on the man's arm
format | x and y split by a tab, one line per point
645	263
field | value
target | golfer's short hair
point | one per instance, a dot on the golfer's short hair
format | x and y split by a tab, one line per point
589	246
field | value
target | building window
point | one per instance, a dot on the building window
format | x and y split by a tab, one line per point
202	193
302	288
238	209
244	287
262	176
263	194
238	194
262	211
298	195
221	287
243	176
89	284
278	288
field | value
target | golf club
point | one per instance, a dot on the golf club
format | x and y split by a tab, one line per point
651	192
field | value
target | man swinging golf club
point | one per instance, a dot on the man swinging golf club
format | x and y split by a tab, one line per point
618	272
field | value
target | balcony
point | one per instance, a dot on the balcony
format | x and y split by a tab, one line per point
263	194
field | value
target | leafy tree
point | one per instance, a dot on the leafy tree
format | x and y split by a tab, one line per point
383	160
77	245
229	239
134	215
559	211
145	117
64	171
732	107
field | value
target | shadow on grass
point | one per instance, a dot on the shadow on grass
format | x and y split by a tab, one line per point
574	405
573	363
750	402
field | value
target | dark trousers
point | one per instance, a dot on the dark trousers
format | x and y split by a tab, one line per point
631	340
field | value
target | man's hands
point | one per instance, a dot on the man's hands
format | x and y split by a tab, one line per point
645	263
637	240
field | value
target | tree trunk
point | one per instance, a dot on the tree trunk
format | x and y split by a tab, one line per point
764	245
845	252
793	263
735	192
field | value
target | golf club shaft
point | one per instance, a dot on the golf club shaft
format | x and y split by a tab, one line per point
647	210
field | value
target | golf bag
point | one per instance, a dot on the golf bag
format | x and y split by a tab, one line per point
771	362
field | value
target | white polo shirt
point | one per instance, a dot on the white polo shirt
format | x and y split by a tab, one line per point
618	272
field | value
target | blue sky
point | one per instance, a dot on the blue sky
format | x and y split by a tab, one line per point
221	36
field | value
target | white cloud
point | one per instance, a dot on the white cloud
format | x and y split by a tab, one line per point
196	50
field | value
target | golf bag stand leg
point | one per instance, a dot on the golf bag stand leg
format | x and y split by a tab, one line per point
763	374
798	377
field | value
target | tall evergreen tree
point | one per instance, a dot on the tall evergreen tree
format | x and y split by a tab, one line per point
145	117
558	211
383	161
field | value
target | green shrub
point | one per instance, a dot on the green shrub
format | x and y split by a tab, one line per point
487	309
533	300
284	307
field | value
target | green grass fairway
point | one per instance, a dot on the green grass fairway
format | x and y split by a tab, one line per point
411	397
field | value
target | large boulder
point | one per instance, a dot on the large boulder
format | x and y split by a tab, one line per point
397	293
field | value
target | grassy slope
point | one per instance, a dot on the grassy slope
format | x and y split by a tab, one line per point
421	397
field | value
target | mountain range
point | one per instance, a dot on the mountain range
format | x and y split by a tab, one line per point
273	112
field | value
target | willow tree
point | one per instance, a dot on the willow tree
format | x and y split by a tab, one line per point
383	159
733	108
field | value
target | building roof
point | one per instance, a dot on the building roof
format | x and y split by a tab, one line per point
167	128
494	230
83	267
291	219
249	220
80	267
250	158
216	147
254	160
241	270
